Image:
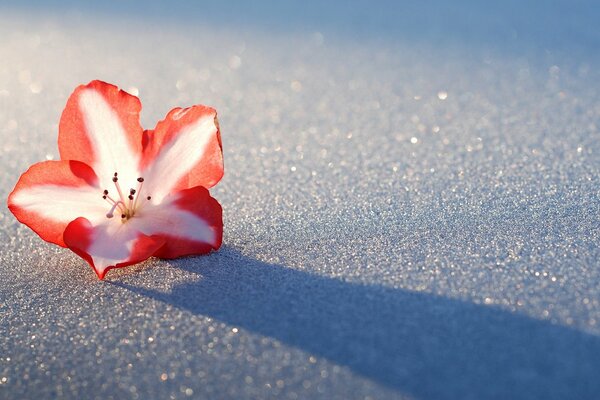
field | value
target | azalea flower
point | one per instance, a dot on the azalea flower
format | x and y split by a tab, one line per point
121	194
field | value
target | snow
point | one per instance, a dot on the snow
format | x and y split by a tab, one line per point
411	203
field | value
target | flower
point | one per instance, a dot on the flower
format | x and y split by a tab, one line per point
121	194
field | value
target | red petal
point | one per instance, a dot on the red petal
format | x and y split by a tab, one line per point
194	128
197	201
80	236
57	175
100	126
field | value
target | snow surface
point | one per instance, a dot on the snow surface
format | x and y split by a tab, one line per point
411	203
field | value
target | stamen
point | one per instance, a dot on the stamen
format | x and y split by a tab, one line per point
138	191
131	207
126	207
116	181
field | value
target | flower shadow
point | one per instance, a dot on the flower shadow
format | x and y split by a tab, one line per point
420	344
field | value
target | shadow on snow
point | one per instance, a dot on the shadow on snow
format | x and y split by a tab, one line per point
422	344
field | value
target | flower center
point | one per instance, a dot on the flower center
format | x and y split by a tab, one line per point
126	205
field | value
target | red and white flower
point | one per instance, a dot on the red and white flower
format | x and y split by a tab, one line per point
121	194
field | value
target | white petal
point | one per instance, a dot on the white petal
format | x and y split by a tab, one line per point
108	139
111	243
178	157
62	203
167	219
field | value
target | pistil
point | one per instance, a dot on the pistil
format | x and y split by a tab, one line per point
111	213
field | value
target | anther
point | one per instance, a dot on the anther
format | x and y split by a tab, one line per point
131	191
105	192
149	197
130	197
104	197
116	174
123	216
140	179
115	179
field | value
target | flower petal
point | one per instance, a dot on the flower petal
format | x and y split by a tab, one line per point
51	194
110	244
100	126
190	222
183	151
